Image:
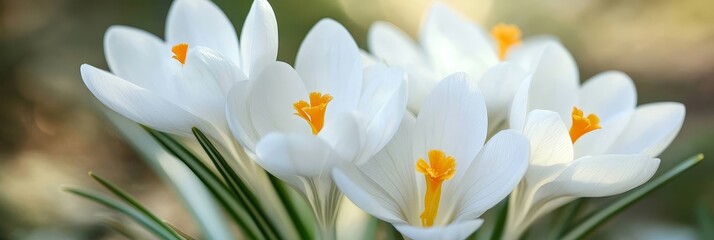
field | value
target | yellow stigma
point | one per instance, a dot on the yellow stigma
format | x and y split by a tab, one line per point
313	112
506	36
439	169
180	51
582	124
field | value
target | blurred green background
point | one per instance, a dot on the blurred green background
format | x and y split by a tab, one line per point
51	133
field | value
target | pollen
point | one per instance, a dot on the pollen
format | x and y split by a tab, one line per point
314	111
582	124
506	36
440	168
180	51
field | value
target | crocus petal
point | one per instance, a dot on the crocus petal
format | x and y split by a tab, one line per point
344	135
259	38
238	115
492	175
385	186
608	94
519	106
391	44
274	92
550	147
139	104
454	43
329	61
499	85
136	56
554	85
453	120
527	54
383	103
293	154
202	23
600	176
456	230
366	194
207	78
651	129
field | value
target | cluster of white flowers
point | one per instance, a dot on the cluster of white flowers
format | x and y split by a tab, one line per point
426	135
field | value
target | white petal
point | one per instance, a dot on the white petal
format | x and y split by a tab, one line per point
259	38
391	44
238	115
554	85
499	85
392	170
651	129
208	77
527	54
454	43
139	104
492	175
366	194
519	107
286	155
456	230
608	94
274	92
136	56
383	103
549	138
344	134
367	58
453	120
329	61
600	176
202	23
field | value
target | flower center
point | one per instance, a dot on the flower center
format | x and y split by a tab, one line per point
439	169
180	51
313	112
582	124
506	36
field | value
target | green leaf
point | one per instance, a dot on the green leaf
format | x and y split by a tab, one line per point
284	195
199	201
566	218
598	218
183	235
500	221
212	182
132	202
705	222
238	187
142	219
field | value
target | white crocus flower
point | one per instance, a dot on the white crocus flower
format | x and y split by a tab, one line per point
300	122
556	176
602	123
182	82
450	43
436	177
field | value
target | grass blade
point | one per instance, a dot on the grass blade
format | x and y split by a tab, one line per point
705	222
497	233
234	209
598	218
132	202
147	222
239	188
566	218
285	198
192	193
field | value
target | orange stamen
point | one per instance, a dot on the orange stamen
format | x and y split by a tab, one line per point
440	168
180	50
313	112
506	36
582	124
